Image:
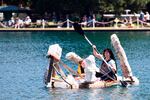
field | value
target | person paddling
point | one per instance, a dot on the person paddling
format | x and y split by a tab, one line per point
77	60
107	72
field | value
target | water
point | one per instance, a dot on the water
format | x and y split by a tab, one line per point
23	62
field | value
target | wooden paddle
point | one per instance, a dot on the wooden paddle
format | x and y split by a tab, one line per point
79	30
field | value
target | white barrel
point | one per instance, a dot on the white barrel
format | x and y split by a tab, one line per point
55	50
126	69
73	57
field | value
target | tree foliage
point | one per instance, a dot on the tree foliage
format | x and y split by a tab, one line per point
83	6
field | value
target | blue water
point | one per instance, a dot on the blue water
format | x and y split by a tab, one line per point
23	63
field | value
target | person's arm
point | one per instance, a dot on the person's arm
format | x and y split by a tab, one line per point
95	53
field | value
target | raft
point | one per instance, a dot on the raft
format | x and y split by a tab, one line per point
81	84
98	84
78	81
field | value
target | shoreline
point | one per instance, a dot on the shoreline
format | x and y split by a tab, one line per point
72	29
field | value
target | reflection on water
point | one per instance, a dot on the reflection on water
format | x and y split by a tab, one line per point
114	93
23	62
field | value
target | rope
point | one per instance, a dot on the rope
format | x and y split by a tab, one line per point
62	76
142	22
91	21
104	22
70	70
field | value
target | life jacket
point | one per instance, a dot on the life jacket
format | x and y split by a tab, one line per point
80	69
106	73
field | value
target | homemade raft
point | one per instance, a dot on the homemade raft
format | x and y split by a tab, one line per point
87	80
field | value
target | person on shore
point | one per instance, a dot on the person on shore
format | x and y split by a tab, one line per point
18	23
84	21
11	22
107	72
27	21
147	17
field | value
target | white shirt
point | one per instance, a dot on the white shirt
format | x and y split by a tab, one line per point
147	16
112	64
105	69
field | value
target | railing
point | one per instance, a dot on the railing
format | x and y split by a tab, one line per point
92	23
115	23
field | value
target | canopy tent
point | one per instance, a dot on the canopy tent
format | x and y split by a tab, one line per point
12	8
8	10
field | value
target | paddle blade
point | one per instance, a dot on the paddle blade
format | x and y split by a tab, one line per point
50	70
124	83
78	29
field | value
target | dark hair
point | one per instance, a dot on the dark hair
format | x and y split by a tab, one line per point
110	52
111	56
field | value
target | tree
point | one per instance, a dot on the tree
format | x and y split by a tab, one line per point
148	6
82	7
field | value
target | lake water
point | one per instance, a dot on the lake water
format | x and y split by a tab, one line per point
23	63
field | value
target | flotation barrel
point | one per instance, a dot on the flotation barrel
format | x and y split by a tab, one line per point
55	50
73	57
76	59
126	69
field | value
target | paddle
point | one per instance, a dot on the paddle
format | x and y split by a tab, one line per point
50	69
79	30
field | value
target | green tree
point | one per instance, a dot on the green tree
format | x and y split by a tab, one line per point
82	7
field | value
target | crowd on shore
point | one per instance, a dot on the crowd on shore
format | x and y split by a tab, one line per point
17	22
95	20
